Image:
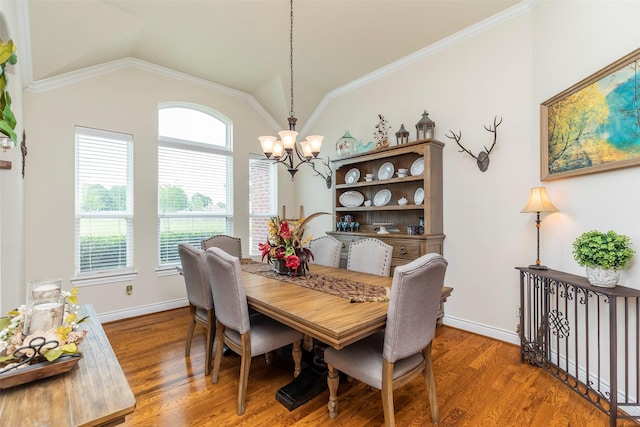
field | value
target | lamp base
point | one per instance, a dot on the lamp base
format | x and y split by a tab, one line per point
539	267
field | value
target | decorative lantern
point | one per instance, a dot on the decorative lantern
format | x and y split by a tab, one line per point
425	128
402	136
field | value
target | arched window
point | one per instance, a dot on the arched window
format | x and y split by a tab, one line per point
195	176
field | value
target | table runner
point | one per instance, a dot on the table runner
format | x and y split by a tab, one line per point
345	288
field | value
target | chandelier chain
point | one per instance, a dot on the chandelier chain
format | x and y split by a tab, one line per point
291	112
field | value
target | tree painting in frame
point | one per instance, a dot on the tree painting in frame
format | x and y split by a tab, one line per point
593	126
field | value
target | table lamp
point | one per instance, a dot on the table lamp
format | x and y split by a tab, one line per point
538	202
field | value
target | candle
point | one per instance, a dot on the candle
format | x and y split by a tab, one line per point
46	316
49	292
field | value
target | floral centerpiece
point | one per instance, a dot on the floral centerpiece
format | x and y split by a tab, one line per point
19	349
285	244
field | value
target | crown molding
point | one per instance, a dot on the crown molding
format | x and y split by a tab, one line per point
125	63
465	34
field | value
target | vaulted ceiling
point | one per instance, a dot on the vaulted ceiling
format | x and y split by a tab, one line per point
244	44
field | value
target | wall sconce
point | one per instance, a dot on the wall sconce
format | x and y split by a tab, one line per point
402	136
425	128
538	202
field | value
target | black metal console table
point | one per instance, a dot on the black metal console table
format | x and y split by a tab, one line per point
587	337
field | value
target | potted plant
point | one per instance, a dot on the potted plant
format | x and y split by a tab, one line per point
7	118
603	255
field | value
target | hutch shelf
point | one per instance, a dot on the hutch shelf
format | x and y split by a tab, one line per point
423	192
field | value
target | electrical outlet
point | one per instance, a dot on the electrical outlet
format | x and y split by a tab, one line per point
129	289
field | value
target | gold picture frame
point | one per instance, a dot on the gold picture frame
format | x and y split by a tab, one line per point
594	126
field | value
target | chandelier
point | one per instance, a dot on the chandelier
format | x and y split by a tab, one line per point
285	150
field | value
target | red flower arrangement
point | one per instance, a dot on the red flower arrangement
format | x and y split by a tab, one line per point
285	243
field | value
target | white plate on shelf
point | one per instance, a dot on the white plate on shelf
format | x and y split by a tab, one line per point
351	199
417	168
382	197
386	171
352	176
418	196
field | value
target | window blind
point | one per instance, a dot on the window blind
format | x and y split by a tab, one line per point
103	201
263	199
195	182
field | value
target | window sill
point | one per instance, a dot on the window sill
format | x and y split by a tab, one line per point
103	279
167	270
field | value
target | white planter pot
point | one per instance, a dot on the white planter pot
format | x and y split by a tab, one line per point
604	278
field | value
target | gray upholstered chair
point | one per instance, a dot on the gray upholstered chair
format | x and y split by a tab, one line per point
229	244
246	335
326	251
371	256
196	279
391	358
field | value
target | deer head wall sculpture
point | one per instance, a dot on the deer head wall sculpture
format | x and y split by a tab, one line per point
482	159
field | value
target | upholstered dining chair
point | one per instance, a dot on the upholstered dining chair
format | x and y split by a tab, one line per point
326	250
196	279
391	358
246	335
229	244
371	256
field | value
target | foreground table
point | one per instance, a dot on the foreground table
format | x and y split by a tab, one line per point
95	393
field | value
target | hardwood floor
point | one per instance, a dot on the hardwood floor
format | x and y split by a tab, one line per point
480	382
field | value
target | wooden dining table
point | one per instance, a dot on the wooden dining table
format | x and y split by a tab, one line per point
331	319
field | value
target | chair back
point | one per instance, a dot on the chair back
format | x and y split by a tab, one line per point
326	251
196	276
227	287
413	306
229	244
371	256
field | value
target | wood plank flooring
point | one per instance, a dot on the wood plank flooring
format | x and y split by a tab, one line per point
480	382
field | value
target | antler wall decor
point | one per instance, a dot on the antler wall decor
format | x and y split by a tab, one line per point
327	177
482	159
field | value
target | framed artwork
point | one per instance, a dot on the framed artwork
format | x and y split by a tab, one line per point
593	126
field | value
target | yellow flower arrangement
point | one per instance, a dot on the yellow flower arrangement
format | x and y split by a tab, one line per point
20	350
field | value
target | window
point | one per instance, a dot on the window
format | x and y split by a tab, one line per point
104	201
195	175
263	189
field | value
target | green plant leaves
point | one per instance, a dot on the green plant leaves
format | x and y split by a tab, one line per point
606	250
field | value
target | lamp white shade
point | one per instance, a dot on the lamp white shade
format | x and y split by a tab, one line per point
538	202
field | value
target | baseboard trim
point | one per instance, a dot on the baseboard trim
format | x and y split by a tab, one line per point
112	316
484	330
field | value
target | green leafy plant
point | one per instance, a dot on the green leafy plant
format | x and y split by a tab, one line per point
605	250
7	118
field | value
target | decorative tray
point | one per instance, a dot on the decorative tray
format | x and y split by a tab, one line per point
39	370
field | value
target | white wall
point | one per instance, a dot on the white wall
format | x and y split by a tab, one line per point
463	87
124	100
573	40
11	184
506	69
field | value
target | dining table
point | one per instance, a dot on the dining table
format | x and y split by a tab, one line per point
335	306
